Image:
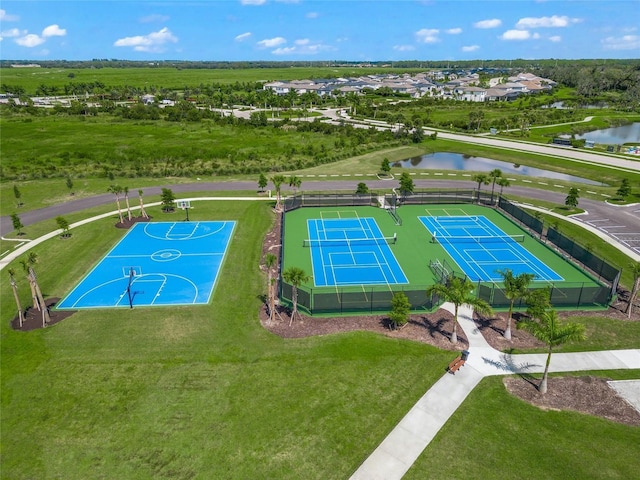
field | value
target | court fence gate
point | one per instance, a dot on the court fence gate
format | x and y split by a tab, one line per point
372	299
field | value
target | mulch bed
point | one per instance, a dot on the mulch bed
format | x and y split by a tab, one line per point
130	223
587	394
33	316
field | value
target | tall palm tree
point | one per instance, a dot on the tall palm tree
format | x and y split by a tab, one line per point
550	331
515	288
295	183
482	179
117	190
635	269
32	259
296	277
14	287
142	210
278	180
459	292
503	182
494	174
270	261
34	297
126	199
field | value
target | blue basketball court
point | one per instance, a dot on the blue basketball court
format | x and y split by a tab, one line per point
481	248
156	264
351	251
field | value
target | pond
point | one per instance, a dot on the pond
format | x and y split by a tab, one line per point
614	136
460	162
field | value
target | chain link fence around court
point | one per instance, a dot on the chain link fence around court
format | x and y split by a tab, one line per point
374	299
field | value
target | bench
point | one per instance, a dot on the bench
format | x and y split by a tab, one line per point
455	365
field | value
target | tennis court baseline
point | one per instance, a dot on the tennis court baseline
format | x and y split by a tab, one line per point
351	251
481	248
154	264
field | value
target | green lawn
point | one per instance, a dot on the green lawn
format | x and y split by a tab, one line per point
203	391
494	435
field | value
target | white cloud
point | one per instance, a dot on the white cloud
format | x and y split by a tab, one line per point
284	51
253	2
545	22
312	15
153	18
242	36
555	39
154	42
470	48
272	42
428	35
492	23
302	46
54	31
454	31
516	35
12	32
6	17
626	42
404	48
30	40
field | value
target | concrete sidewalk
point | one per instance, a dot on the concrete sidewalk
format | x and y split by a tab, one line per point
402	447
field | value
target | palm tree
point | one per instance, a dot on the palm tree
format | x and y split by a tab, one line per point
635	269
14	287
515	288
142	211
296	277
39	303
270	261
278	180
126	199
34	297
295	182
494	174
550	331
503	182
459	292
482	179
117	190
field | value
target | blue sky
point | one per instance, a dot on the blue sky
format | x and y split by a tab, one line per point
352	30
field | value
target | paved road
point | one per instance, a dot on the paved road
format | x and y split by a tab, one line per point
626	220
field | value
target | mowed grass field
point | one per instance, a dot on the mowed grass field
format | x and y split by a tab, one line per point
205	392
199	392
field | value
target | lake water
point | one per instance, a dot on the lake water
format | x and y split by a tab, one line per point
615	136
458	161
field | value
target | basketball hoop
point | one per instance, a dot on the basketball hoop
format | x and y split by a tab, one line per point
184	205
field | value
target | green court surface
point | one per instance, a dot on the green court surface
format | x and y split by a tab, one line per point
414	249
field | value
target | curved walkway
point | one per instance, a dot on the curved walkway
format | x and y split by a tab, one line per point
404	444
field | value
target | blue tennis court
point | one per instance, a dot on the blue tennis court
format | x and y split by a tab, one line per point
156	264
481	248
351	251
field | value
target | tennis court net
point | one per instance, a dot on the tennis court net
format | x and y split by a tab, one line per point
479	239
347	242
